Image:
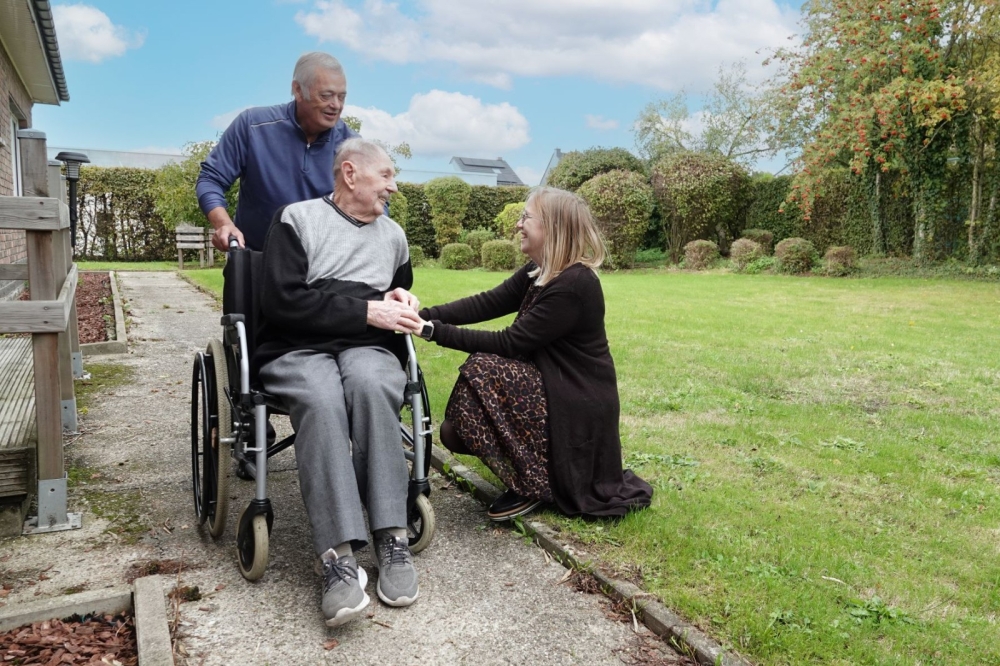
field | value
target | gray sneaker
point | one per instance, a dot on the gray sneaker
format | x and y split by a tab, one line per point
397	578
344	596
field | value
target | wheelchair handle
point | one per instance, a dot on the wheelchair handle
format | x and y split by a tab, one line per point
233	243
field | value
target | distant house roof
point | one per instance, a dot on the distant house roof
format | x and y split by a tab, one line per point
505	175
28	34
119	158
557	156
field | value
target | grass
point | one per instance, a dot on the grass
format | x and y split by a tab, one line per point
128	266
824	455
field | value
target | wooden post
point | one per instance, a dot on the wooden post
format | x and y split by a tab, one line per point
61	264
34	163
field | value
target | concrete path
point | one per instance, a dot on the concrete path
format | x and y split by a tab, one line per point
486	597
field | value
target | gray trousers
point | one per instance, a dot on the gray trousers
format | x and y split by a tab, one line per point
332	400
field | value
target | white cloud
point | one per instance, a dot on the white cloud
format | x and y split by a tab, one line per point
447	123
600	122
86	33
528	175
668	44
222	121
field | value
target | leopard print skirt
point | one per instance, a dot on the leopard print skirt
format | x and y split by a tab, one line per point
498	408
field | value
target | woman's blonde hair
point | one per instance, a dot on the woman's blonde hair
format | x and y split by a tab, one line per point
571	236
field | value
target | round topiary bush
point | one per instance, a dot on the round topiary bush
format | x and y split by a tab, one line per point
621	203
840	260
500	255
399	209
417	256
794	255
576	167
476	238
743	251
700	254
506	220
761	236
448	198
457	256
700	195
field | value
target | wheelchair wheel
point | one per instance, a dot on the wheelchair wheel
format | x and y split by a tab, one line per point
420	524
252	546
203	415
223	430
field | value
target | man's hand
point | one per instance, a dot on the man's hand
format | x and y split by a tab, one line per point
224	229
393	316
402	296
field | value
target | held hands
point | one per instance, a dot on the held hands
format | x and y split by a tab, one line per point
394	315
403	296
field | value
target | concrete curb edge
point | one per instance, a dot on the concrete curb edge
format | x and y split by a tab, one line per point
120	344
658	618
152	633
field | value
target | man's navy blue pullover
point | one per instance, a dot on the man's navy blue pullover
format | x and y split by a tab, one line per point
266	149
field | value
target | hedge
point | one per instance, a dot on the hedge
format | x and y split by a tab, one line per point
486	202
576	167
449	198
118	219
419	230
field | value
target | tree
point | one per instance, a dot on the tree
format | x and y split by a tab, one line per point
622	203
174	188
577	167
733	122
867	88
449	199
396	153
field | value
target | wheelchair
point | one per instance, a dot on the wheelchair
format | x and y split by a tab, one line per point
229	412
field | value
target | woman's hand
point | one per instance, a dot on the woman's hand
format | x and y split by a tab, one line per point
402	296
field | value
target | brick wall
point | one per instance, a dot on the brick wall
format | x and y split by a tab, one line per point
12	249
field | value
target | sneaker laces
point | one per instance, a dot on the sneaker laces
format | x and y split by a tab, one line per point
394	551
335	570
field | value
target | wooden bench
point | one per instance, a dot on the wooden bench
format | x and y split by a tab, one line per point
194	238
17	417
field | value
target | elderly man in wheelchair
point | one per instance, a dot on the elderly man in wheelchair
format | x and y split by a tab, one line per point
332	295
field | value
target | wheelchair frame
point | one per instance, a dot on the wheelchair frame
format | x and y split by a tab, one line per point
224	408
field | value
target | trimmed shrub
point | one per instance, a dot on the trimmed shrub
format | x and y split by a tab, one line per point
700	196
743	251
419	230
118	216
486	202
840	260
506	221
398	209
762	237
457	256
794	255
621	202
449	199
417	256
476	238
700	254
576	167
500	255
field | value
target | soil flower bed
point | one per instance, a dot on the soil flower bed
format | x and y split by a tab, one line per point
99	640
94	306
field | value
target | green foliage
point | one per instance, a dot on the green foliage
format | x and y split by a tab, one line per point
506	220
117	216
398	209
419	229
486	202
174	188
458	256
476	238
840	260
794	255
700	254
767	209
700	195
762	237
743	251
760	265
449	199
499	255
576	167
417	256
621	203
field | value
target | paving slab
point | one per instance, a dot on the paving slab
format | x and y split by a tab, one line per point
486	595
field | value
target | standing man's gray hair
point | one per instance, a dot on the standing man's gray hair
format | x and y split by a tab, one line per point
354	147
305	69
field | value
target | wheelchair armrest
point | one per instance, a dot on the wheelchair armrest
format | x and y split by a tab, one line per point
231	319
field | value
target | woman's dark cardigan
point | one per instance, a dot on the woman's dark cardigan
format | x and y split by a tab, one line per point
563	334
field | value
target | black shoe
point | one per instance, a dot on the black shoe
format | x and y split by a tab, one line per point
510	505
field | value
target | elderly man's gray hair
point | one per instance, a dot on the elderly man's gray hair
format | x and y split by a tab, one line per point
359	151
308	64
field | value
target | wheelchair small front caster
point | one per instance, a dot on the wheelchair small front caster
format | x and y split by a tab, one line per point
420	524
252	545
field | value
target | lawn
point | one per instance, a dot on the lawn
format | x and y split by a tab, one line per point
823	452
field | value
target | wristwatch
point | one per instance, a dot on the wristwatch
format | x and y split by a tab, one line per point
427	331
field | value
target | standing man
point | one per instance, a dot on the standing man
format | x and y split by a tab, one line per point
282	154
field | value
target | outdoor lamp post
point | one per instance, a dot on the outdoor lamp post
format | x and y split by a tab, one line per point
72	162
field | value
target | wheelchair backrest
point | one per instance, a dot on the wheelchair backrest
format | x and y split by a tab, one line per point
241	292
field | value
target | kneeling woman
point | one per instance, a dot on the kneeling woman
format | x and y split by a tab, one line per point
537	402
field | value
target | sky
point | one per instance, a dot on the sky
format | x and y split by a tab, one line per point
476	78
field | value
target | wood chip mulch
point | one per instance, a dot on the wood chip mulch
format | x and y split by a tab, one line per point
94	306
91	640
